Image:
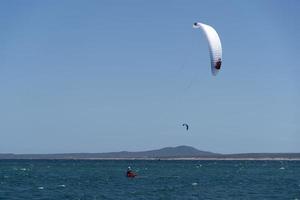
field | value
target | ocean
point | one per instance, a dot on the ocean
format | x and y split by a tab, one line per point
105	179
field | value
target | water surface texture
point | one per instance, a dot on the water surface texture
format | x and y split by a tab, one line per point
95	179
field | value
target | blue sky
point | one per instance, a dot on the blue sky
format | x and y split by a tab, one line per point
97	76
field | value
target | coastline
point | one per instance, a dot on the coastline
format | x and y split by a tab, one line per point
165	159
191	159
167	153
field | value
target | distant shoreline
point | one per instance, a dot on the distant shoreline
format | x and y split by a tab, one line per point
190	159
164	159
167	153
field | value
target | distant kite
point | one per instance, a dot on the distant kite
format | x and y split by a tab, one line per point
215	47
186	126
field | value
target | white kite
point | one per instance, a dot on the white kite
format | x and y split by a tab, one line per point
215	47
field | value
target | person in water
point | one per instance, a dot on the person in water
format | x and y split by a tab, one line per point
129	170
130	173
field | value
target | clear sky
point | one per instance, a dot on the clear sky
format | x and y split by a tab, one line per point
98	76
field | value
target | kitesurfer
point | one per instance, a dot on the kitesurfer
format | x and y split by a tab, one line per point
130	173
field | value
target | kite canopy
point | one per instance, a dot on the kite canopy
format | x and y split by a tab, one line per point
186	126
215	47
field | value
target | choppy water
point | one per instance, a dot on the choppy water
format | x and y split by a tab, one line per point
59	180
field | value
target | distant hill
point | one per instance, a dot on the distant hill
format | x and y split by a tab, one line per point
168	152
179	152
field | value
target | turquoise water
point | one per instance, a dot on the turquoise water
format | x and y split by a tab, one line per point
59	180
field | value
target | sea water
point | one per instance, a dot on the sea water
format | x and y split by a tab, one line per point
157	179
